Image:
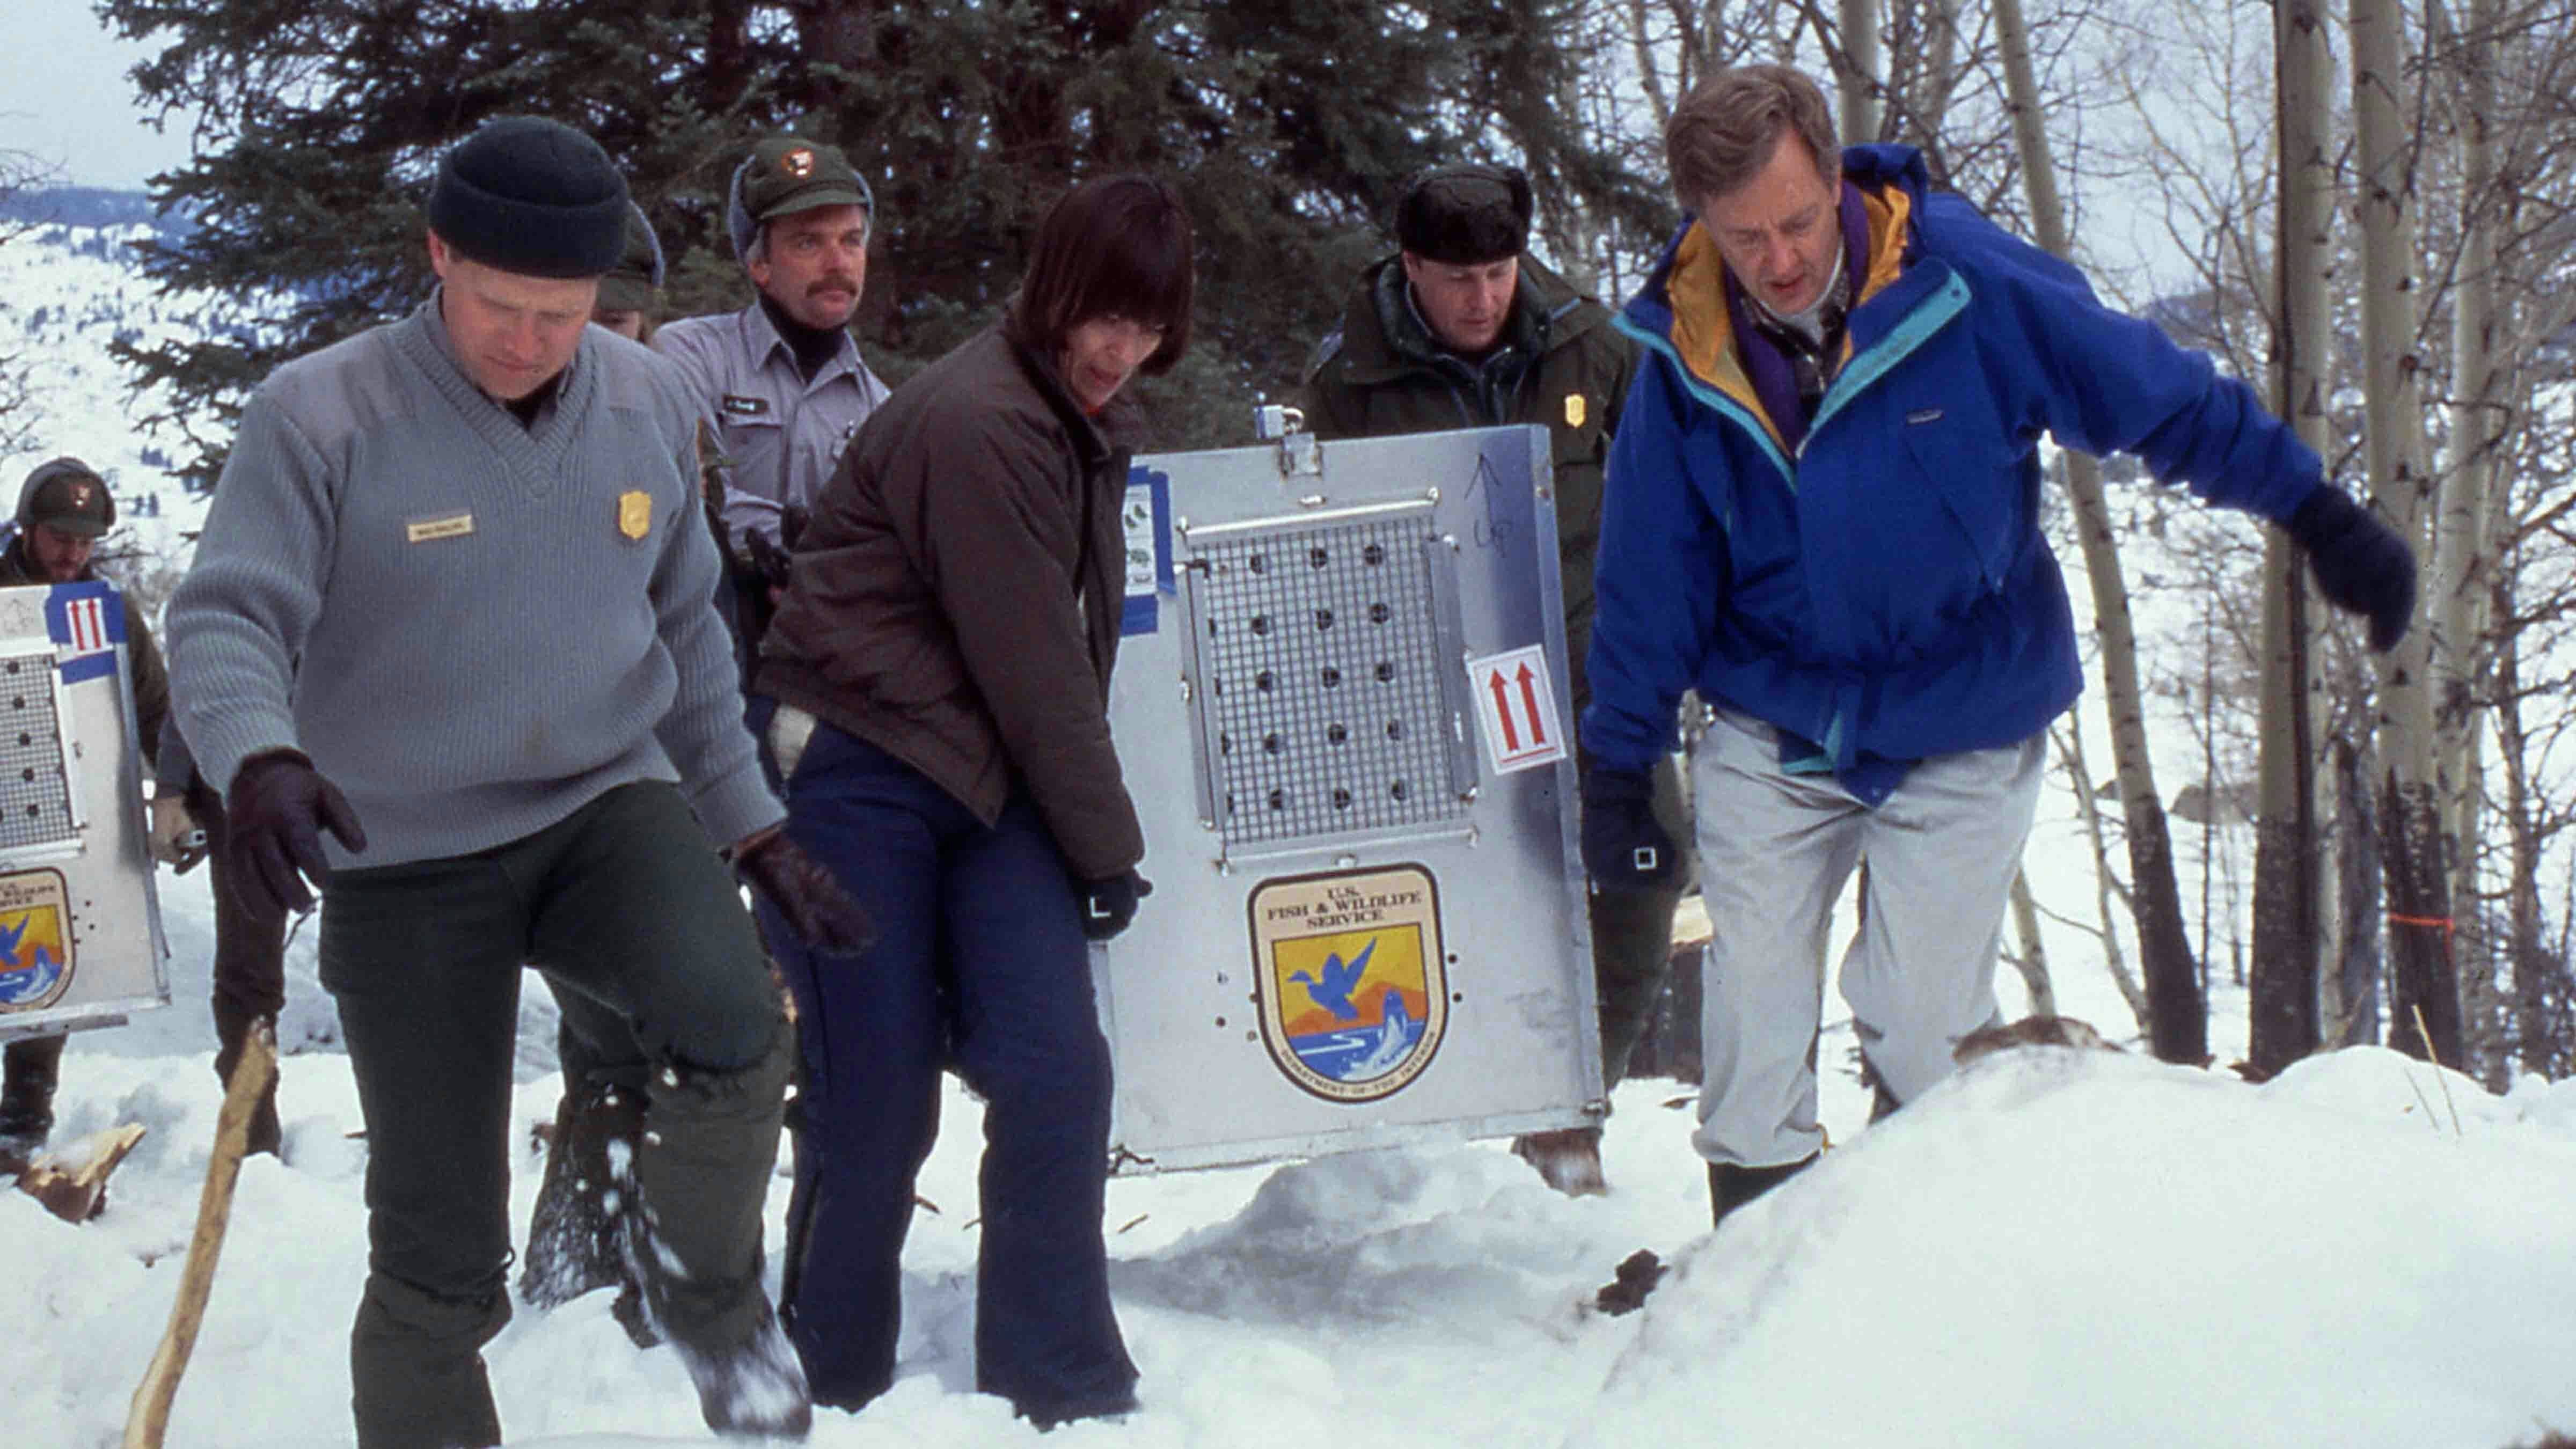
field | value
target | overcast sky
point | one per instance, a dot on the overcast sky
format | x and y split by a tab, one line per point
64	98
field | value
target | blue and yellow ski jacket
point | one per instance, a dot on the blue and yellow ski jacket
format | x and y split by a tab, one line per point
1883	589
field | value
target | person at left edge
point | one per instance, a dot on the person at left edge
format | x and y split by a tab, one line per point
63	509
940	681
452	609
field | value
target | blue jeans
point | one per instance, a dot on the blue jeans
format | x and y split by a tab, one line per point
980	965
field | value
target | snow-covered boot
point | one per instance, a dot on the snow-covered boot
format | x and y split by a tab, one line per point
690	1200
34	1066
1731	1184
572	1234
754	1389
1568	1159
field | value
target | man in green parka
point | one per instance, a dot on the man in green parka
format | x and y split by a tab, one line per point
1462	329
63	510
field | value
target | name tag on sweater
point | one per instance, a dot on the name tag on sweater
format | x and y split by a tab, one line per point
429	530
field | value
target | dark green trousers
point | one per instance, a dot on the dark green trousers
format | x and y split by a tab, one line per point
1632	942
624	905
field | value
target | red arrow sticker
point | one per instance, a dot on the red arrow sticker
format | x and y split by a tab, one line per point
1516	709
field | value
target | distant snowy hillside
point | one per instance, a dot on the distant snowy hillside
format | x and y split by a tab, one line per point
67	290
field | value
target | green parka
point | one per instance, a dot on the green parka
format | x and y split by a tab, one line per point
1560	363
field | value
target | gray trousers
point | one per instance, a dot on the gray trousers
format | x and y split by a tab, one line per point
1776	850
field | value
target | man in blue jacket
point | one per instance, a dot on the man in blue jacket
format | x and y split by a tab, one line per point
1823	513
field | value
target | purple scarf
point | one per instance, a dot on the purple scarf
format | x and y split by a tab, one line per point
1775	381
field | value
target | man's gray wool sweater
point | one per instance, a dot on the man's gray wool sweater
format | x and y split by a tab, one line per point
471	626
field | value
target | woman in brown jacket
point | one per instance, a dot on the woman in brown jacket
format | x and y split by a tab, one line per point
934	695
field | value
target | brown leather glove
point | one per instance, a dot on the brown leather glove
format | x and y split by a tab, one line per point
806	892
274	816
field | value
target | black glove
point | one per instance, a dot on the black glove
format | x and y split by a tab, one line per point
274	818
2360	563
1109	904
1624	846
822	914
769	562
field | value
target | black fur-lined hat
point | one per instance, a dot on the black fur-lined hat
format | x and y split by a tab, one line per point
1464	214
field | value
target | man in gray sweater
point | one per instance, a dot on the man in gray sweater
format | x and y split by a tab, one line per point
452	609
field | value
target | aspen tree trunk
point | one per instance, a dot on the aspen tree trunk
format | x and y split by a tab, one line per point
1932	70
2288	886
2033	960
2416	843
2352	1016
1650	76
2541	1041
2071	749
2177	1017
2463	558
1857	71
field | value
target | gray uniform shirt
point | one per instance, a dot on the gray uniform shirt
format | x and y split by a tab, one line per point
472	627
780	435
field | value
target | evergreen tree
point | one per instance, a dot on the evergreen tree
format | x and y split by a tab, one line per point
1286	124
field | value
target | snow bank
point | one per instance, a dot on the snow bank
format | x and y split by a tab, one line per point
2065	1247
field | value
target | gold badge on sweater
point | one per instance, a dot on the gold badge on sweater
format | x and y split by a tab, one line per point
1574	410
634	513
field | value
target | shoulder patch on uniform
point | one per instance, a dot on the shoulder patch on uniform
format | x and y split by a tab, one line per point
737	406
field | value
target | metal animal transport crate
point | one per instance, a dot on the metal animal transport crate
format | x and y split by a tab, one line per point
1341	705
80	924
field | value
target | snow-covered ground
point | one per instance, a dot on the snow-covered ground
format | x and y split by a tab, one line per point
2054	1249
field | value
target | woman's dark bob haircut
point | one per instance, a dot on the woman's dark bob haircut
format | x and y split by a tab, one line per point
1115	246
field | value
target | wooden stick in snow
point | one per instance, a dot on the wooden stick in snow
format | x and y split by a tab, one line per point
74	1190
149	1417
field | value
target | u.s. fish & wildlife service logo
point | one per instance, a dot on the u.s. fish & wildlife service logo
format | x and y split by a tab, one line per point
1354	985
35	940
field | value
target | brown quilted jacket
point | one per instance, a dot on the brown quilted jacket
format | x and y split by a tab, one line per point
956	598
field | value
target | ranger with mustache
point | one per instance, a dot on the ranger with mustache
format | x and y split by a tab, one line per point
782	381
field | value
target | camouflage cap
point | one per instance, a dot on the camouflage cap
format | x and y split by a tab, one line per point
784	175
67	496
635	283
